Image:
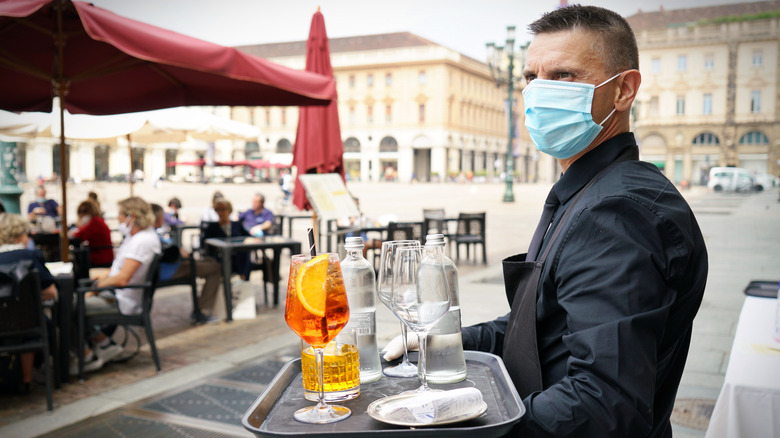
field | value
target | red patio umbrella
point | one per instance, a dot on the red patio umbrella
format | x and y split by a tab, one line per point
98	62
200	163
318	147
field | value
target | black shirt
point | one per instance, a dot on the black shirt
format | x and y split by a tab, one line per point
616	302
45	276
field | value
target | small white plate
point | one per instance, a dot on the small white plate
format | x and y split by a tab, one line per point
378	409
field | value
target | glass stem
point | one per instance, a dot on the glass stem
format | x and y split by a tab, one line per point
319	359
403	338
423	340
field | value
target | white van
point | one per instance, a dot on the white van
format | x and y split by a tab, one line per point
732	179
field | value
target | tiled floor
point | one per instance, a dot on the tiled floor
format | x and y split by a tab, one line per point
179	342
210	408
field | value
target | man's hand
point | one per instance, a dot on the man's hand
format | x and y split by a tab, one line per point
395	348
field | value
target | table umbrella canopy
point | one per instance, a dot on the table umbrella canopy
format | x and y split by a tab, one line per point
318	147
98	62
109	64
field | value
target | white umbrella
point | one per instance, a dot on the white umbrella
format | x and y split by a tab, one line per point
169	125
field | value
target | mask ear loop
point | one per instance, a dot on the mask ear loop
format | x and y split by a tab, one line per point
608	116
613	109
607	81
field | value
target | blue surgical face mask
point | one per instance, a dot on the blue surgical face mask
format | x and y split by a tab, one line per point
557	115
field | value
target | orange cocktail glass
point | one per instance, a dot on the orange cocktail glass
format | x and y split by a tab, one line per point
316	310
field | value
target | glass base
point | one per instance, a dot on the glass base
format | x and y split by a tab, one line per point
322	414
404	369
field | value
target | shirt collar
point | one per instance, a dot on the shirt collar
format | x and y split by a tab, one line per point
588	165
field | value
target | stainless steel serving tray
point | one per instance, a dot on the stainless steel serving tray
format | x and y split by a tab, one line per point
271	415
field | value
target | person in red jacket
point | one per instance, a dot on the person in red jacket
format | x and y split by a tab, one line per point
93	230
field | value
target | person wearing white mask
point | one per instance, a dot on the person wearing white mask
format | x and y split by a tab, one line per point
603	302
131	264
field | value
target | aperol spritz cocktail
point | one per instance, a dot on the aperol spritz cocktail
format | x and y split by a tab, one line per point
317	310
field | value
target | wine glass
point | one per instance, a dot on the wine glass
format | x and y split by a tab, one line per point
317	310
384	292
420	297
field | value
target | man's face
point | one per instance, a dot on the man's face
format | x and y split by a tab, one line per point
257	203
570	56
40	192
159	221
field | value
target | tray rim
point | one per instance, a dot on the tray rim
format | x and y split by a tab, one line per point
477	356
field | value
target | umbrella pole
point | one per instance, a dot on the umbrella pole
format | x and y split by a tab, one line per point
63	181
61	90
130	146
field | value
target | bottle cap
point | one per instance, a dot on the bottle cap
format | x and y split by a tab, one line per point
434	239
353	243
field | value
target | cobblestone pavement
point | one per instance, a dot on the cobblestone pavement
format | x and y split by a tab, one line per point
740	231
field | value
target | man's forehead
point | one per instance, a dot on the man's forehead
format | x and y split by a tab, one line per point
564	49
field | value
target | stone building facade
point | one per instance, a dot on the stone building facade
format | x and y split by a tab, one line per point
710	86
410	109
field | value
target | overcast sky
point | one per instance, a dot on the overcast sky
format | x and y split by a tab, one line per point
462	25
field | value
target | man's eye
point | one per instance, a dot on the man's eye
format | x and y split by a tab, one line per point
530	78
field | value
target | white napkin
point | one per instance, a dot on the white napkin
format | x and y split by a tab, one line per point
58	268
395	348
436	407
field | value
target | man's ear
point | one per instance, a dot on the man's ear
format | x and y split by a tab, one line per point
628	85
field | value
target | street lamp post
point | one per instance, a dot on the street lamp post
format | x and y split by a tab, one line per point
10	192
495	56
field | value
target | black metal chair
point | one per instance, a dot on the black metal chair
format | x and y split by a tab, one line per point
433	222
260	261
22	322
116	318
471	232
395	231
415	227
190	280
82	262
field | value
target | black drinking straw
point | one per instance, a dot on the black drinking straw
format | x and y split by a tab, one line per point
312	249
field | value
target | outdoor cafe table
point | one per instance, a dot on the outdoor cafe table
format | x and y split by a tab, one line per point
62	313
230	244
749	402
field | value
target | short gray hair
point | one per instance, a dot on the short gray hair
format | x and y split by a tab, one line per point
615	39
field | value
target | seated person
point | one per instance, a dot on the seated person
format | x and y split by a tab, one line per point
131	264
209	214
175	268
42	206
241	260
13	244
172	217
92	196
258	220
92	229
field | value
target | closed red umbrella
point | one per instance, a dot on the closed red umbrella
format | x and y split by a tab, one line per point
318	147
98	62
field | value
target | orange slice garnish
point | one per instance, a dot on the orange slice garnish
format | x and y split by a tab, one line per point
310	285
